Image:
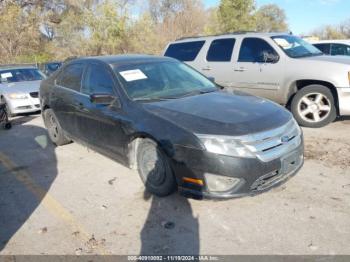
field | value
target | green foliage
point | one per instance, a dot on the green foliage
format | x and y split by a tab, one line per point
271	18
237	15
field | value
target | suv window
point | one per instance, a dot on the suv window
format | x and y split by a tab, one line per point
97	80
253	49
185	51
71	77
325	48
340	49
221	50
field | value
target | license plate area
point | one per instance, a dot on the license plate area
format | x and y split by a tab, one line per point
290	163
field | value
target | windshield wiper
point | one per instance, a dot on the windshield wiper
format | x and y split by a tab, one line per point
192	93
149	99
310	55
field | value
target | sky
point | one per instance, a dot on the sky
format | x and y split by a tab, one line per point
303	16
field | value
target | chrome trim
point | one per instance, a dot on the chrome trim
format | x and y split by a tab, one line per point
268	145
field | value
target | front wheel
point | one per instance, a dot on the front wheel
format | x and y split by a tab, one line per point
154	169
313	106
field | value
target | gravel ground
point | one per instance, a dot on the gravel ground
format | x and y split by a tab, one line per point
71	200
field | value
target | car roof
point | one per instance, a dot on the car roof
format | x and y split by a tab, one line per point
342	41
229	35
123	59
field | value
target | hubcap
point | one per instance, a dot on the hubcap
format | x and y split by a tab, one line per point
53	127
314	107
152	167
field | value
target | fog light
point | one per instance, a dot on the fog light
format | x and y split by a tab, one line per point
216	183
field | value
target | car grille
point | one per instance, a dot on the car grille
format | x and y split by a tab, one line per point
272	144
34	94
266	181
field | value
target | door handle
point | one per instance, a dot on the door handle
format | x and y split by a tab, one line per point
206	68
241	69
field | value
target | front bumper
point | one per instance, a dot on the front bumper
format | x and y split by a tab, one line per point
344	100
20	106
257	176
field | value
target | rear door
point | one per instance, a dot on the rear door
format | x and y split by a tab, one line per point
100	125
66	89
253	74
218	62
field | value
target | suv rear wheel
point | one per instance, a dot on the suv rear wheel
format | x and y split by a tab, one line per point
154	169
313	106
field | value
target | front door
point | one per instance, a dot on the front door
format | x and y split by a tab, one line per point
258	69
101	125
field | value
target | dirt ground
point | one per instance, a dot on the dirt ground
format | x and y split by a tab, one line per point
71	200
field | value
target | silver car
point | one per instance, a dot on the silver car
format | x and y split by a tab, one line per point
19	89
280	67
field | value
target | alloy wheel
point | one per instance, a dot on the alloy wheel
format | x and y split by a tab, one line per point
314	107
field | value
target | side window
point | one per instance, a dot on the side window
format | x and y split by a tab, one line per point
185	51
71	77
253	50
98	80
340	49
221	50
325	48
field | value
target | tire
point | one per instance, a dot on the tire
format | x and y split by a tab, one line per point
8	111
154	169
313	106
54	129
8	126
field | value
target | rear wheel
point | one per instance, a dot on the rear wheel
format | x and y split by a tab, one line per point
313	106
54	129
154	169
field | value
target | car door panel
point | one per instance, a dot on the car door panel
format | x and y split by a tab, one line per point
63	95
101	125
252	75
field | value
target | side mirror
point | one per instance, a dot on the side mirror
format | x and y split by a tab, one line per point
270	57
211	78
104	99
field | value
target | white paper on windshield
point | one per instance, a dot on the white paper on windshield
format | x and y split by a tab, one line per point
283	43
133	75
6	75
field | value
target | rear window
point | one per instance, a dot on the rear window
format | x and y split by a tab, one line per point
71	77
185	51
221	50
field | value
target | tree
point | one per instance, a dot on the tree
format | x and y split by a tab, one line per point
271	18
19	32
329	32
236	15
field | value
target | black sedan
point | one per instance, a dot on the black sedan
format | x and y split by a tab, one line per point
174	125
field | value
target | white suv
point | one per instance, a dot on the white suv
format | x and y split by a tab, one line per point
280	67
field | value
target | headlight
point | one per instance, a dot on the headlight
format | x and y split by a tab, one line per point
17	96
224	145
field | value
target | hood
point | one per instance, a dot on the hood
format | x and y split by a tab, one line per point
333	59
20	87
221	113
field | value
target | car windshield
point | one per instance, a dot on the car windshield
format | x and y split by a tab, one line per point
20	75
296	47
162	80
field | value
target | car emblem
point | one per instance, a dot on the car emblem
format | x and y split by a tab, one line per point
284	139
